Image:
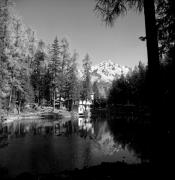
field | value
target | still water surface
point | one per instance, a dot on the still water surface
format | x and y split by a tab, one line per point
49	146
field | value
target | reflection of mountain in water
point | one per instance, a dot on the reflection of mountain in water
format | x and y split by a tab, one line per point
106	140
109	138
49	144
133	135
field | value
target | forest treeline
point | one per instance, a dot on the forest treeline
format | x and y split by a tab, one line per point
135	87
32	71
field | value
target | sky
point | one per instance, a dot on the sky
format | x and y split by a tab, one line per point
84	30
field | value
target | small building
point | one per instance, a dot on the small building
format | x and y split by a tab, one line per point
59	102
84	107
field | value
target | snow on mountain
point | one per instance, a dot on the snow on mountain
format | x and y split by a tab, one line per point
104	73
107	71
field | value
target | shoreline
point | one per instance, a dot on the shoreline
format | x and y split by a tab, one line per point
105	170
57	114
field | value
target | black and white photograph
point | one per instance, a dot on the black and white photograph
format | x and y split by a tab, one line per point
87	89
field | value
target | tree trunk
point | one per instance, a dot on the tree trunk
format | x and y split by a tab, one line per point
153	82
54	100
153	76
60	100
19	107
10	98
68	108
152	47
72	103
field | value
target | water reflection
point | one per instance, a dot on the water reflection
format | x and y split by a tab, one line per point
106	140
86	128
133	136
52	146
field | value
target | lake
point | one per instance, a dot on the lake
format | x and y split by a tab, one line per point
52	146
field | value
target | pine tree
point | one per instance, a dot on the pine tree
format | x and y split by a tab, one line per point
39	71
65	64
31	45
72	83
5	6
86	83
55	70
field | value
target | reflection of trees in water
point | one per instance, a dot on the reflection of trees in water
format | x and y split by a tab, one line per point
21	128
87	156
111	129
3	140
48	127
108	145
109	135
133	136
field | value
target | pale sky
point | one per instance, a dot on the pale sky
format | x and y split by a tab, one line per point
76	20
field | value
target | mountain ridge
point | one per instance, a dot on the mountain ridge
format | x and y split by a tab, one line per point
107	71
103	74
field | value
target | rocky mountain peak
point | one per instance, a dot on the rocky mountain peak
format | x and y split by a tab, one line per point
108	70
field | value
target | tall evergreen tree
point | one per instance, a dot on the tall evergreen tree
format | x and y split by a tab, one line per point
72	83
65	65
4	19
110	10
39	71
86	82
55	70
